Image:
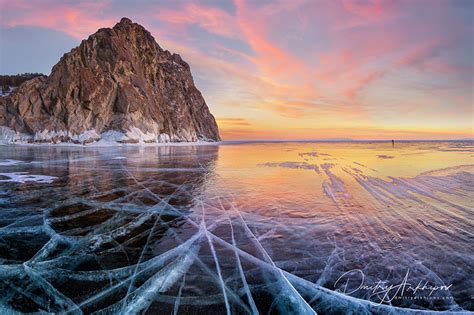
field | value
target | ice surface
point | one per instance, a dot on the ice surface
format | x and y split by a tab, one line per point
23	177
9	162
234	229
301	165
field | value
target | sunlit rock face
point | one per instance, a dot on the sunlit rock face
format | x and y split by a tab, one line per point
119	79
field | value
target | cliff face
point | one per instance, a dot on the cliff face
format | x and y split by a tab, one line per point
119	84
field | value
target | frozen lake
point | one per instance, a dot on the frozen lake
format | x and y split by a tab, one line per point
279	228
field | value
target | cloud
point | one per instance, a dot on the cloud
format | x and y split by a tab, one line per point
233	121
293	62
369	9
420	52
213	20
270	58
360	133
77	19
360	82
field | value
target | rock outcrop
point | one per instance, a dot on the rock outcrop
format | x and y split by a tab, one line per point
120	85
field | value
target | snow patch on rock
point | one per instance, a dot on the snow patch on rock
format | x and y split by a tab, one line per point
113	136
163	138
86	137
47	136
92	137
8	135
135	134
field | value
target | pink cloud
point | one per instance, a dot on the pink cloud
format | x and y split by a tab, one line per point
362	82
271	59
419	53
214	20
78	20
366	8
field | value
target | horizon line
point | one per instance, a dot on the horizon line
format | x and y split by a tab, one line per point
349	140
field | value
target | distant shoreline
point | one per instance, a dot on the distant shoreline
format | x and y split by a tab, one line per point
338	141
230	142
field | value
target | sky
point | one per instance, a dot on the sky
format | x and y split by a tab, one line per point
290	69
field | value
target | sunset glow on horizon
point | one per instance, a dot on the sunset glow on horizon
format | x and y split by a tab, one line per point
290	69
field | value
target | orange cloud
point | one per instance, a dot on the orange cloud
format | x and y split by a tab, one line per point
359	133
232	121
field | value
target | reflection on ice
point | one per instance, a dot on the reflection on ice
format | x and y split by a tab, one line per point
256	228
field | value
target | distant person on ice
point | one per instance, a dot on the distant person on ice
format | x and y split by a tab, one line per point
393	143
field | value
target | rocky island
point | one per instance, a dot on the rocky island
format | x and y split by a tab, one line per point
118	85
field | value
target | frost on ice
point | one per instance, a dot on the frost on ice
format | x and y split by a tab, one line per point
162	230
22	177
9	162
